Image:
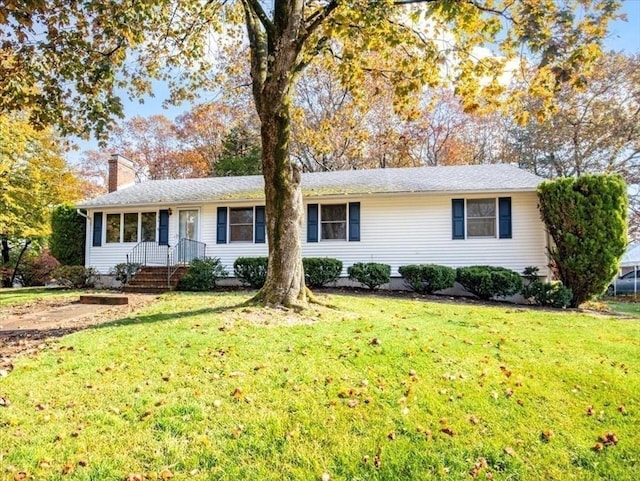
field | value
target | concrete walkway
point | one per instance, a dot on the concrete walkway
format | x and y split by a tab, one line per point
51	318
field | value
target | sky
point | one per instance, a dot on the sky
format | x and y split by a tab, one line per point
623	36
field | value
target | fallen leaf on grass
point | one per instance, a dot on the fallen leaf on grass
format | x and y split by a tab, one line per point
166	474
67	468
448	431
509	451
479	465
134	477
4	402
622	409
237	393
609	439
546	435
590	411
237	431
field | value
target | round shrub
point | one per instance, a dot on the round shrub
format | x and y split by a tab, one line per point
320	271
550	294
370	274
124	271
35	270
487	281
251	271
74	276
202	275
427	278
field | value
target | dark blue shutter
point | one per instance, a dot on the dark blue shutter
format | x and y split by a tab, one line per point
221	237
457	215
354	221
504	217
260	225
163	228
312	222
97	229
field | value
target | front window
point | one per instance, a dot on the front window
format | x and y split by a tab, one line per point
148	226
113	228
334	222
241	224
130	231
481	217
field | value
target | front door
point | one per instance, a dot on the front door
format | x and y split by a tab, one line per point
187	231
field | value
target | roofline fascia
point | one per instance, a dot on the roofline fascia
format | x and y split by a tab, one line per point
314	197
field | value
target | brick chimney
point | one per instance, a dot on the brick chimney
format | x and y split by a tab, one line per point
121	173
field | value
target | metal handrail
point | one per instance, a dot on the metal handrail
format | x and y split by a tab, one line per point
182	253
148	253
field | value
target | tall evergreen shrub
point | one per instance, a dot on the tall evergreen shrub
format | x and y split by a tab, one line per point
67	241
587	220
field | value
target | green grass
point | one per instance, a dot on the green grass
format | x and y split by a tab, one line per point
14	296
204	390
629	308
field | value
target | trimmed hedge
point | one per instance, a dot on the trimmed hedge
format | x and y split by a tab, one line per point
251	271
427	278
67	240
320	271
202	275
587	220
75	276
487	281
370	274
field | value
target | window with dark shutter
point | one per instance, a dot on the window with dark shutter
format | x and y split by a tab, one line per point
163	227
504	216
260	230
312	222
97	229
354	221
221	232
457	214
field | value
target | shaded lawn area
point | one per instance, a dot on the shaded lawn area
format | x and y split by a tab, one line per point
23	295
629	308
376	388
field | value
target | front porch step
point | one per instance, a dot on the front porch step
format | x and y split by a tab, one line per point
153	280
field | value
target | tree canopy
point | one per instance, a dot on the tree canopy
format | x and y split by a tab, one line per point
67	61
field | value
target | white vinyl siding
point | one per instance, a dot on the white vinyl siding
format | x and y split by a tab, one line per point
394	229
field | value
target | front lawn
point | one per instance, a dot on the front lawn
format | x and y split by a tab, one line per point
23	295
377	388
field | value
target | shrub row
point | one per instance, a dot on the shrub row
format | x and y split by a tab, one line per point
318	271
484	282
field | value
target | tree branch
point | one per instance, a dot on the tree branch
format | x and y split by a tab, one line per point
256	8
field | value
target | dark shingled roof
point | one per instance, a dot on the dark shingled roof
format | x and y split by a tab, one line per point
453	179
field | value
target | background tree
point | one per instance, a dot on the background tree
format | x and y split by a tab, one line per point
67	239
72	57
34	177
240	154
586	218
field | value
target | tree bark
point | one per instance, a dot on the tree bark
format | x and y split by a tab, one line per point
275	47
6	280
284	211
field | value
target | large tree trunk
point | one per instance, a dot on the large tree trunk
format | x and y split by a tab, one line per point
284	211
